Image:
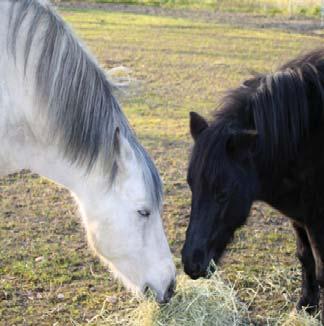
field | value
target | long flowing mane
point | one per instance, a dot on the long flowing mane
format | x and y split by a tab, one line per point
81	109
284	107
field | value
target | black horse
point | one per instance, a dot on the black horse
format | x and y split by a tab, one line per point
266	143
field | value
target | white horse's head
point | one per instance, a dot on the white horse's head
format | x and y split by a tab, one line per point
124	226
73	117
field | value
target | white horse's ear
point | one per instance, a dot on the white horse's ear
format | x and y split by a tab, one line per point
123	152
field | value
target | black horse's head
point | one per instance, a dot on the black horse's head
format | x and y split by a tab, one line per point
223	183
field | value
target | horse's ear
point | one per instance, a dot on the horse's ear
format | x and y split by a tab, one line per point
116	143
122	149
197	124
242	142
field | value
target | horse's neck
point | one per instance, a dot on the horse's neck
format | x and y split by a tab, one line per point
24	139
24	147
43	159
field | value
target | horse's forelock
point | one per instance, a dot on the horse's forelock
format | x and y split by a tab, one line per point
209	156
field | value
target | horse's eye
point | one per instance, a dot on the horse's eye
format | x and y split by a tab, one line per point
144	212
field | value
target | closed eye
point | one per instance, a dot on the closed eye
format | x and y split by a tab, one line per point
144	212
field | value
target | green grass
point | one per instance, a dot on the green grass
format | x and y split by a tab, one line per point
47	274
269	7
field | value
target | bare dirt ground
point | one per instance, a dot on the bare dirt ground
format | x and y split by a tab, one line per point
294	24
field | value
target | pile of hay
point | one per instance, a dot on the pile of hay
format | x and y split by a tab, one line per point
204	302
201	302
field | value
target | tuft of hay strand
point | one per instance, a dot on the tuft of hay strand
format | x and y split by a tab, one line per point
301	318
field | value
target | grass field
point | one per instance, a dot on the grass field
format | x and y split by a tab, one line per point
47	274
272	7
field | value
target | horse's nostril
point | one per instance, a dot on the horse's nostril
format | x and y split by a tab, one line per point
171	289
195	269
169	293
146	289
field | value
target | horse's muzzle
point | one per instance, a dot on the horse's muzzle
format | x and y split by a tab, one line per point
195	266
168	293
166	296
195	271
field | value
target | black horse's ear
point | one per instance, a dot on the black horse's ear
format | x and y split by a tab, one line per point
242	142
197	124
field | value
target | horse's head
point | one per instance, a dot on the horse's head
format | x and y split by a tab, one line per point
223	184
124	226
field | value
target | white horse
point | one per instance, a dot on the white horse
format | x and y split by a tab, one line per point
58	118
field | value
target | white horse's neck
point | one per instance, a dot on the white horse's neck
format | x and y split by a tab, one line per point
22	148
25	143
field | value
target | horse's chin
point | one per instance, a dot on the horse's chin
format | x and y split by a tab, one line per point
206	272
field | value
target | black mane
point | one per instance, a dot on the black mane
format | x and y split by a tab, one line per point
284	107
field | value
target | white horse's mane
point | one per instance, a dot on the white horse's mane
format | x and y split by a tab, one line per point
82	112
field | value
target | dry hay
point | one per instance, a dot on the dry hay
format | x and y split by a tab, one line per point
200	302
203	302
300	319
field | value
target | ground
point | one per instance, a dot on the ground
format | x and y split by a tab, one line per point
180	64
